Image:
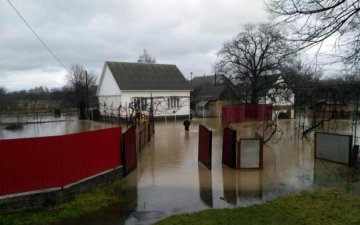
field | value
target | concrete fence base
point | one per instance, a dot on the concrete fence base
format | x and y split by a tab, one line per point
44	198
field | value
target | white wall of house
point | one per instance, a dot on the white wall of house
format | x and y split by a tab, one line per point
281	97
111	104
108	85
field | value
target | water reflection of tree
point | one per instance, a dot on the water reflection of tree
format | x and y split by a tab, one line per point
319	105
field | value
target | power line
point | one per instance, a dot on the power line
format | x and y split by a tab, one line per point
37	36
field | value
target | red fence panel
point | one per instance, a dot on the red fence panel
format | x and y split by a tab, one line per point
258	111
251	111
90	153
232	114
229	147
31	164
129	150
264	112
205	146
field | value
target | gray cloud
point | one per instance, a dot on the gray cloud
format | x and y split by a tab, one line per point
186	33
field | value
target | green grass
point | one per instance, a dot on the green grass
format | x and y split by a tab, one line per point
83	203
328	207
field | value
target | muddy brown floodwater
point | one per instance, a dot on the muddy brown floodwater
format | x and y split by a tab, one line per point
169	180
42	129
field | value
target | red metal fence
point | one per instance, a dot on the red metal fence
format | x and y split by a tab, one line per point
240	113
134	139
31	164
229	147
232	114
205	146
258	111
129	150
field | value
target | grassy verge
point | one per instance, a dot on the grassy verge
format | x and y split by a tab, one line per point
310	208
83	203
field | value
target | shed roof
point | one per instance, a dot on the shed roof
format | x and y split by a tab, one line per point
141	76
210	93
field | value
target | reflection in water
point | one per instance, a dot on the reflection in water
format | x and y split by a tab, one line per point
205	185
249	185
229	185
242	186
332	175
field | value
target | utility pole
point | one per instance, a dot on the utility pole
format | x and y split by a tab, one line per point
191	73
87	93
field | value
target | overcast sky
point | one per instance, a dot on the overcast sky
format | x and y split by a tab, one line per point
187	33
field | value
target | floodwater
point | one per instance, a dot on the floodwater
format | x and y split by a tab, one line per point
56	127
169	180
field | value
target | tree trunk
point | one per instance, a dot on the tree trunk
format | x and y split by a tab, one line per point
254	95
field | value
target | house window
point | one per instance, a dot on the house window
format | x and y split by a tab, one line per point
143	104
173	103
136	104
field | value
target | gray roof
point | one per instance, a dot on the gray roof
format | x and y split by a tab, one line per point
142	76
199	82
212	88
210	93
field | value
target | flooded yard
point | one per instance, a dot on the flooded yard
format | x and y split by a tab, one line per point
169	180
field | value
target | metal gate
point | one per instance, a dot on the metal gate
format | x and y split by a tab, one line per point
205	142
250	153
229	147
333	147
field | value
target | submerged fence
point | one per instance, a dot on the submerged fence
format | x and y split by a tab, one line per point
333	147
244	153
260	112
232	114
205	146
129	150
240	113
250	154
134	139
229	147
33	164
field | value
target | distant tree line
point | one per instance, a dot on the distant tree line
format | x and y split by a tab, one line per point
80	86
62	98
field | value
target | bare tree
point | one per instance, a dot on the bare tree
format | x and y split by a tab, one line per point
146	58
314	21
258	51
81	82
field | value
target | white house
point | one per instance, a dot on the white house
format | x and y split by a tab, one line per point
280	96
126	87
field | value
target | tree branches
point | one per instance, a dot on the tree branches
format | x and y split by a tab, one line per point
257	51
314	21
